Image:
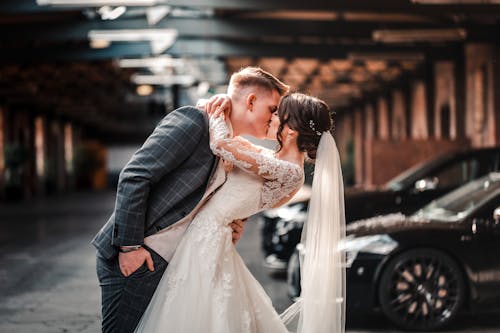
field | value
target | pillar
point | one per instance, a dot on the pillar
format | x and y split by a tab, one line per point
419	129
358	147
370	125
398	130
383	119
445	112
481	120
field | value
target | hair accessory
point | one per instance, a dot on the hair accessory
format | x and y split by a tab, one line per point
312	126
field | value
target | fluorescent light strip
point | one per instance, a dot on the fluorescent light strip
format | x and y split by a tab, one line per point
151	62
109	13
133	35
99	3
163	80
160	39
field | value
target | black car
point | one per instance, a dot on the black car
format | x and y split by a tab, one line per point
405	194
421	270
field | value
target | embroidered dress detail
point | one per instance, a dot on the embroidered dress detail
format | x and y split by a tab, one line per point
206	287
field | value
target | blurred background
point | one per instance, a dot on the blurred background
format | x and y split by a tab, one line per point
413	83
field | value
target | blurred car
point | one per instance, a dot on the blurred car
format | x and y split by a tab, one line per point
405	194
421	270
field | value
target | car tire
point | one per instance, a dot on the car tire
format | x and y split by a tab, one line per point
421	289
293	276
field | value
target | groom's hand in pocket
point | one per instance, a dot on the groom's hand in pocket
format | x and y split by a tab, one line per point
238	226
132	261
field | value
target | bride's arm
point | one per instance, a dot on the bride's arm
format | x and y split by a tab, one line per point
282	178
244	154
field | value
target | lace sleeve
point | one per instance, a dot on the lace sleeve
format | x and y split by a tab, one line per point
282	178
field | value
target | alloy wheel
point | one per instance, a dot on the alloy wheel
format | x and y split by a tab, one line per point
421	289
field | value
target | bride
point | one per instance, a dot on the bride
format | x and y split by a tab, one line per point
207	287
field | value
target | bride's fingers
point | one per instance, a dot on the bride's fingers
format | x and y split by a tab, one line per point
218	112
238	228
236	237
209	106
213	103
225	106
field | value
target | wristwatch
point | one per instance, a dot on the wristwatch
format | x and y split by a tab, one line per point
129	248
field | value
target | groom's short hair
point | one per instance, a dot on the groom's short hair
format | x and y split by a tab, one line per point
257	77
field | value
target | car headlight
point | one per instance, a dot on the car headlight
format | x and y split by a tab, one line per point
376	244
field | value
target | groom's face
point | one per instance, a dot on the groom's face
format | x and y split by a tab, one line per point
264	106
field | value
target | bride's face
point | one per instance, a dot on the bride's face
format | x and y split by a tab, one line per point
274	123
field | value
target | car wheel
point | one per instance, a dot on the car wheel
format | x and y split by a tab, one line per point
421	289
293	276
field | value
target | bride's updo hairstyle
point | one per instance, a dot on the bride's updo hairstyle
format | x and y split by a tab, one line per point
307	115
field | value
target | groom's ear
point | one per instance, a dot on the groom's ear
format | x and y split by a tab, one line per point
250	100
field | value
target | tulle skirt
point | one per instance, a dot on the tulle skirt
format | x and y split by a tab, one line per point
207	288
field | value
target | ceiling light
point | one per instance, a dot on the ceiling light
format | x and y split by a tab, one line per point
161	39
156	14
144	90
163	80
457	2
98	3
154	62
419	35
133	35
99	43
109	13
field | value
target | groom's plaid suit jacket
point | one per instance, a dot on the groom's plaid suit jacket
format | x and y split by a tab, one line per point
163	181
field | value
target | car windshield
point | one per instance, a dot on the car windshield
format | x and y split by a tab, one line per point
461	202
408	177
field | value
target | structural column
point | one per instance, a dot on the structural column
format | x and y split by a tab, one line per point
369	136
2	147
56	174
344	133
480	63
383	119
496	96
445	111
41	153
419	129
398	130
358	147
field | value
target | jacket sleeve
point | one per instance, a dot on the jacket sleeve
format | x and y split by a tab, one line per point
173	140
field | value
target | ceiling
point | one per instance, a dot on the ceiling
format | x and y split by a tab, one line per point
341	51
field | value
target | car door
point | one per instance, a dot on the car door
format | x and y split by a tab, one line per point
487	253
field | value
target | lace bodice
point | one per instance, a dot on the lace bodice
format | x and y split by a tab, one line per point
280	178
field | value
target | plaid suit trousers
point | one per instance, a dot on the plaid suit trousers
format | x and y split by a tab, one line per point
124	299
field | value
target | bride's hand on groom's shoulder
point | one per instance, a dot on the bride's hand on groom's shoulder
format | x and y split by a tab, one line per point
132	261
217	105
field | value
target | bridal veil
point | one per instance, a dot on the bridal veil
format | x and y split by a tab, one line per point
321	305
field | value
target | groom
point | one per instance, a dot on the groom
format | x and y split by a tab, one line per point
162	184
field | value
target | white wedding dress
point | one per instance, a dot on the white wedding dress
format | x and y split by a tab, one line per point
207	287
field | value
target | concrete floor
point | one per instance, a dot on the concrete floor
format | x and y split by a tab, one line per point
47	269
